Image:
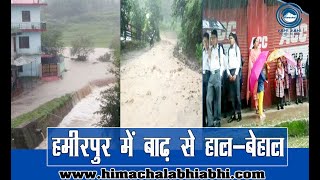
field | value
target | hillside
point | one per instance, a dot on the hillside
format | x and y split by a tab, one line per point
101	24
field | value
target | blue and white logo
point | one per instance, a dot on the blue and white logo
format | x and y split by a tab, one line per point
289	15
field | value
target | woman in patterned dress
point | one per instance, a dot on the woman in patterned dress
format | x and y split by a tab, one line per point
287	79
299	81
279	84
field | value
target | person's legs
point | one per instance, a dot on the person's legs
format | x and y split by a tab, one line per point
285	96
261	114
209	99
233	102
204	96
256	99
224	97
238	98
302	91
217	99
260	94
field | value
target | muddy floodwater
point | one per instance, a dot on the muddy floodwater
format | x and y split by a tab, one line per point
83	113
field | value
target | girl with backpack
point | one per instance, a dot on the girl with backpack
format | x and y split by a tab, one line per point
233	71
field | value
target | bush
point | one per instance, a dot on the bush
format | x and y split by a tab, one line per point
296	128
199	53
104	58
51	41
81	47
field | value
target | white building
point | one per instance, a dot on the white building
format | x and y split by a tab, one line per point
26	28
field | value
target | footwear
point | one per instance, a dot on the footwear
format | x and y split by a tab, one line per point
278	107
217	124
232	118
225	115
297	101
285	104
282	107
239	117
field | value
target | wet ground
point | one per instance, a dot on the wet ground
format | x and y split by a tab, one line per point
78	75
273	116
157	90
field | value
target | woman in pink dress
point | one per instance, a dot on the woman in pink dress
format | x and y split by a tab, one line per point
254	53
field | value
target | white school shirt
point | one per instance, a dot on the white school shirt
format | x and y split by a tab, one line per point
214	63
234	59
205	61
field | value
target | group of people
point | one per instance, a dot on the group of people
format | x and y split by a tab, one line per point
222	80
221	70
283	79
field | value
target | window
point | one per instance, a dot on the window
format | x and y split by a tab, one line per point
25	16
20	68
24	42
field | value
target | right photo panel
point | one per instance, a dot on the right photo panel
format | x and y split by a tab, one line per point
256	66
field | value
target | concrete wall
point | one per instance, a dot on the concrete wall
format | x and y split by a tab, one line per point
27	136
32	69
34	43
16	13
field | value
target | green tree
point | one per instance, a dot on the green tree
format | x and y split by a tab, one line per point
110	98
154	17
190	14
81	47
125	9
138	18
51	42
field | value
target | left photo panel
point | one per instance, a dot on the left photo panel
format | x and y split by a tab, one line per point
65	67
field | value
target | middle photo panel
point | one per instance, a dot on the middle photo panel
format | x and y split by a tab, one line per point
161	63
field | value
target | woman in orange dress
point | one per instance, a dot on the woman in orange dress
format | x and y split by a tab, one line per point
254	54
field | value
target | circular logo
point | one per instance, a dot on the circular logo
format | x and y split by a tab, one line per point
289	15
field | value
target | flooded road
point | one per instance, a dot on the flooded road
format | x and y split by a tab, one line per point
78	75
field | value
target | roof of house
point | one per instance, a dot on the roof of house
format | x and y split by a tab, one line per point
28	2
23	60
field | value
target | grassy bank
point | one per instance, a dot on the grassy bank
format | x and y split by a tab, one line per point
41	112
99	26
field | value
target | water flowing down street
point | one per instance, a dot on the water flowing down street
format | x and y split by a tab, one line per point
158	90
